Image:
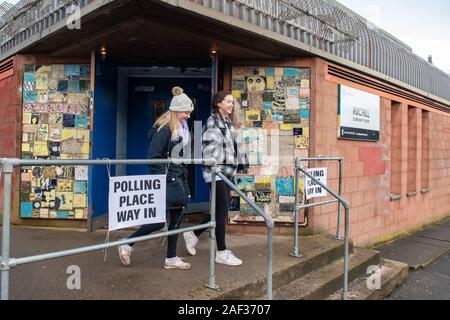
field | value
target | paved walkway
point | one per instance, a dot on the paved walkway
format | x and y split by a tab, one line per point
420	248
146	278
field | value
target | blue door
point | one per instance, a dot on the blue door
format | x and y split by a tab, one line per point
124	112
103	140
143	108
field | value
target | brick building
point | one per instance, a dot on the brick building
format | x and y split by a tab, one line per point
93	93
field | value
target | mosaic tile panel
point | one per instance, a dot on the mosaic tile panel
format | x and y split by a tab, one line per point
273	110
56	125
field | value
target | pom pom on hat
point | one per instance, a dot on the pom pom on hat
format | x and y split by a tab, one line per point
176	91
180	101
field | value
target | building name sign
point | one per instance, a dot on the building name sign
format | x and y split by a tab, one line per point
359	115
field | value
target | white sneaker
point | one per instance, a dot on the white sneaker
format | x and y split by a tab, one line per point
176	263
191	241
227	257
125	254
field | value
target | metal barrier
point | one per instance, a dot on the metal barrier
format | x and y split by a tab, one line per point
6	262
298	207
299	167
270	225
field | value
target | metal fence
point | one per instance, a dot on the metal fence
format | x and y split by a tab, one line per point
299	168
6	262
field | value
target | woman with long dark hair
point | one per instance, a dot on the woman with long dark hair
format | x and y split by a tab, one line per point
221	142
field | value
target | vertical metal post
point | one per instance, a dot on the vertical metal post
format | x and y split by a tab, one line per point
295	253
212	234
214	73
346	253
269	262
338	234
4	266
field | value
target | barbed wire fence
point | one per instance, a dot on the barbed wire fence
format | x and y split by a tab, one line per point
322	18
24	14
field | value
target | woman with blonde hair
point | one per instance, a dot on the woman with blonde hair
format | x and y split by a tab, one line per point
169	130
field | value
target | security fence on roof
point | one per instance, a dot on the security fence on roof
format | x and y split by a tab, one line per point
27	17
322	24
329	26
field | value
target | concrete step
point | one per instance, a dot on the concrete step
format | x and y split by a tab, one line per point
317	252
320	283
393	273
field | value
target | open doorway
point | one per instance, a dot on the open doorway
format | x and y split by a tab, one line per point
128	100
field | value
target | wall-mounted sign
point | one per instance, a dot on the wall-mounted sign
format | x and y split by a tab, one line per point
359	115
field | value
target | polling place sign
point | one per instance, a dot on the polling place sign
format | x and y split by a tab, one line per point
312	188
136	200
359	115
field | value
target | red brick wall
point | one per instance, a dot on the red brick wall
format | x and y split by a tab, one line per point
10	123
367	180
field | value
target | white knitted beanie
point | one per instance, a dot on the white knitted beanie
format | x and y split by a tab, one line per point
180	101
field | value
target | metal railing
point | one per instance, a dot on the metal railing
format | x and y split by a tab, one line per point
6	262
299	167
270	225
297	207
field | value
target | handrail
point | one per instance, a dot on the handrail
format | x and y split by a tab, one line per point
25	162
14	262
347	208
6	262
270	225
322	158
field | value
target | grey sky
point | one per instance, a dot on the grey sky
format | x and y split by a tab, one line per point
424	26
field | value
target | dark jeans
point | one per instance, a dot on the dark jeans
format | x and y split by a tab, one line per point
222	206
175	222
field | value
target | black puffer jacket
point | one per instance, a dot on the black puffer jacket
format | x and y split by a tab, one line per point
161	146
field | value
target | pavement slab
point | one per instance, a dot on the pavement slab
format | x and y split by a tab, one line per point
420	248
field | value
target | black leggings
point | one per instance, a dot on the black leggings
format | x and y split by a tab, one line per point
222	206
175	222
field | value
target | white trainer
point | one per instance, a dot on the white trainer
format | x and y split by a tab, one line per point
191	241
227	257
125	254
176	263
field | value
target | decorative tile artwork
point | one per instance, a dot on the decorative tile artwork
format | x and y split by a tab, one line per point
272	104
56	125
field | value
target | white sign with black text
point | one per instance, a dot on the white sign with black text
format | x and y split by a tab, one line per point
312	189
359	114
136	200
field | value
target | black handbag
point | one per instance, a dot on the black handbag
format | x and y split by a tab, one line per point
177	192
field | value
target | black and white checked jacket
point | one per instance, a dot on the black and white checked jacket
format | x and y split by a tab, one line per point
222	141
